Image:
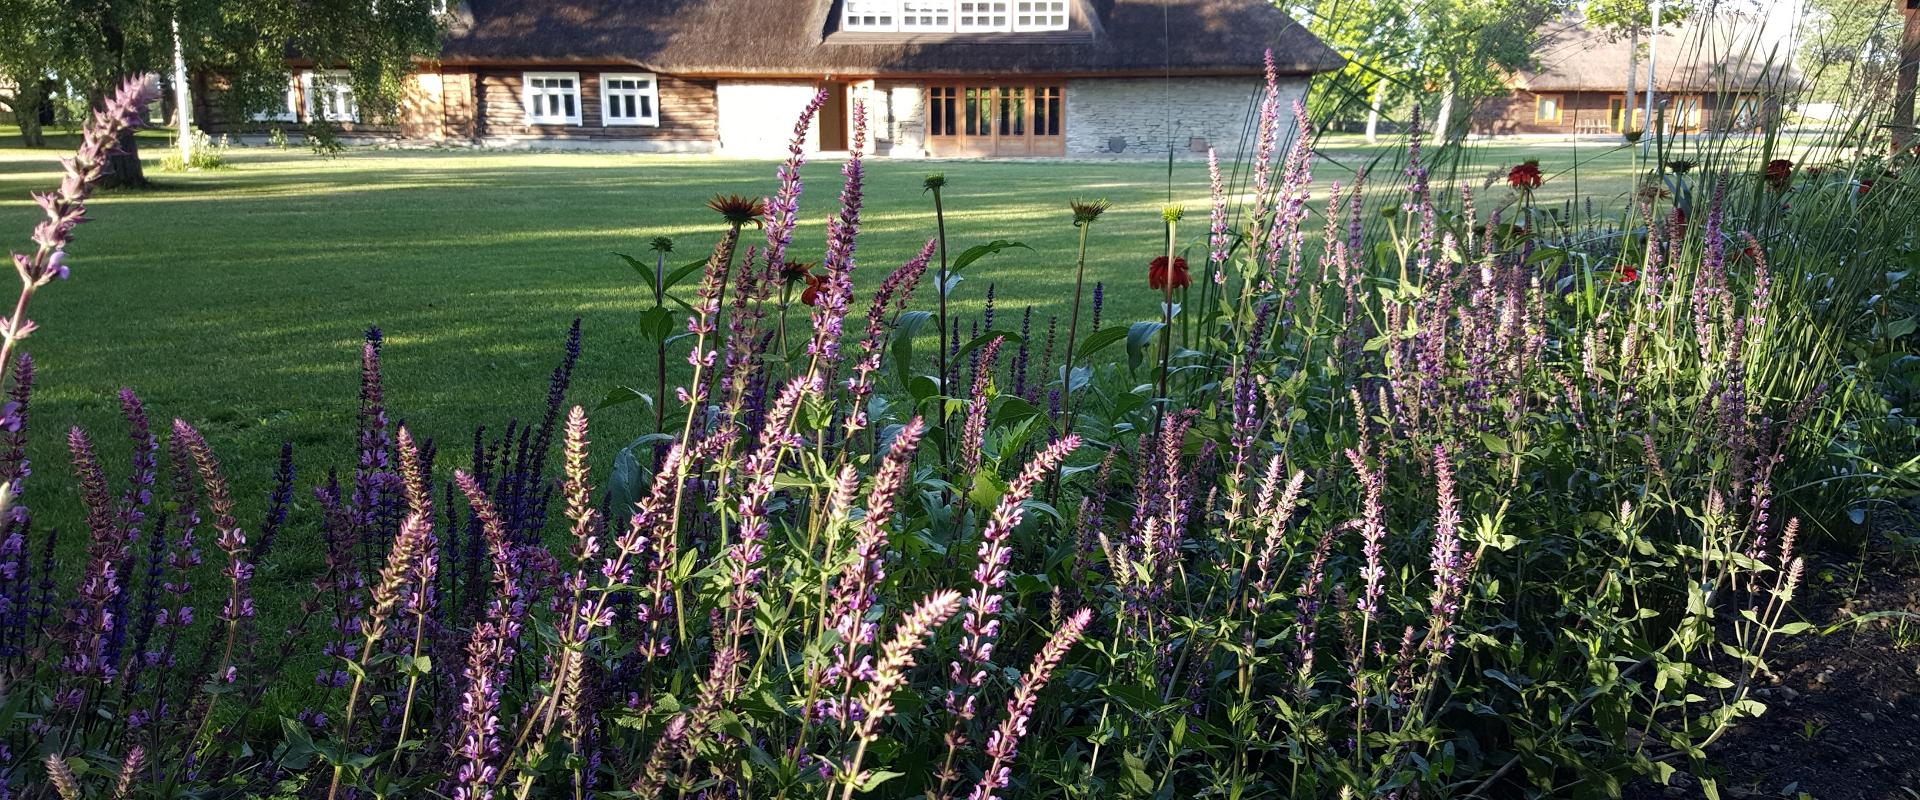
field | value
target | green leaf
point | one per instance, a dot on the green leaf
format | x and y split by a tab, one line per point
1100	340
1139	335
980	251
904	329
877	777
656	324
622	395
1495	444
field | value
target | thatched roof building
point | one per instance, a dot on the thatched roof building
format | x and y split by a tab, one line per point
1711	73
936	77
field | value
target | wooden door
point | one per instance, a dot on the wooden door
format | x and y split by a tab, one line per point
995	120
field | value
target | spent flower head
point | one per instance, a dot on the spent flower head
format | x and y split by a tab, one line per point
1086	211
737	209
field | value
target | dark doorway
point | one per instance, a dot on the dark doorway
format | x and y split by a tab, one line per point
833	118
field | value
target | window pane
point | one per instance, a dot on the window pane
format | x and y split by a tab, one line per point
985	15
973	112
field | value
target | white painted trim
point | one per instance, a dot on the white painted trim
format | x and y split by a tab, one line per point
651	93
527	98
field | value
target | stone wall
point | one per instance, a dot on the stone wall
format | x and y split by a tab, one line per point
1130	116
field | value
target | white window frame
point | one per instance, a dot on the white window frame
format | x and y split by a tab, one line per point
948	16
1026	11
974	16
926	15
290	112
529	95
870	15
312	82
649	92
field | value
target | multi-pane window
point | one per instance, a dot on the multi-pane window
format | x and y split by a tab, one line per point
871	15
966	16
629	99
985	15
289	111
552	98
1040	15
330	96
1046	111
926	15
943	111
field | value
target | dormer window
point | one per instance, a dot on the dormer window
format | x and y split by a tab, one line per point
953	16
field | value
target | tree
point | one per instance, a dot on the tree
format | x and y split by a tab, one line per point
247	43
1850	47
1633	19
30	56
1362	32
1463	49
1468	48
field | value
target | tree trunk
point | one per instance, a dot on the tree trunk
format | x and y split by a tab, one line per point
28	102
1373	111
123	166
1903	86
1443	126
1633	72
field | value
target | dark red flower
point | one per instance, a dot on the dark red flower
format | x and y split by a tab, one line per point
1865	185
1629	274
1778	174
1526	176
815	284
1157	274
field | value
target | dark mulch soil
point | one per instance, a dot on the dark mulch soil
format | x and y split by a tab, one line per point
1844	709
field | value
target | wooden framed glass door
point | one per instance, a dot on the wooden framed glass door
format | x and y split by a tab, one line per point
1007	120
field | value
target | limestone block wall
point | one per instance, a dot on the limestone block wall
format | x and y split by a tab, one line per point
1131	116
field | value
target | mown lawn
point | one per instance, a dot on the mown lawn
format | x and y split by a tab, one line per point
236	298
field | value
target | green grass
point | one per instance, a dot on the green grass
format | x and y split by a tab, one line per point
235	299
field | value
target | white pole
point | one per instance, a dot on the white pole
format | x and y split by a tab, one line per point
1653	48
182	99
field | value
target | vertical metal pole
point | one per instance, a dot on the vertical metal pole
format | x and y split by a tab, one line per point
1653	49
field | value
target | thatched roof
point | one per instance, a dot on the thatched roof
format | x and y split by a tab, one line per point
800	38
1720	53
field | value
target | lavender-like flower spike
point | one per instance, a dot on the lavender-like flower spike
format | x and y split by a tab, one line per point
1219	239
1004	744
1451	564
91	623
784	208
982	625
61	776
578	490
896	657
1373	533
855	590
489	653
231	539
893	293
830	314
973	432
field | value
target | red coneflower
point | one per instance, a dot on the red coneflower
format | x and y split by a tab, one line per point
1629	273
1157	277
811	295
1526	176
1865	185
739	210
1778	174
